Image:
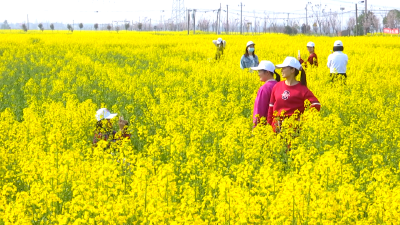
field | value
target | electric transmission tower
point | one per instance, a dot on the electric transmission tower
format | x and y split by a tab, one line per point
178	12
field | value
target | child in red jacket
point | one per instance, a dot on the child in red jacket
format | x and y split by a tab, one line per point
312	59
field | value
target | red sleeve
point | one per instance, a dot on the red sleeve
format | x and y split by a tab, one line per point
301	61
271	105
313	100
311	59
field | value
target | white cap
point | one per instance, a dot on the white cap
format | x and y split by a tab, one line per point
338	43
265	65
250	43
310	44
103	113
290	61
219	40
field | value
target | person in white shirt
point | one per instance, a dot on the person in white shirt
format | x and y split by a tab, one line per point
220	44
337	61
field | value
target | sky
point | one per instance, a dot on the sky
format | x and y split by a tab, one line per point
107	11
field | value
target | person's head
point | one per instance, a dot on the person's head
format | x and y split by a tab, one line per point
338	46
103	117
310	47
266	71
219	41
291	67
250	48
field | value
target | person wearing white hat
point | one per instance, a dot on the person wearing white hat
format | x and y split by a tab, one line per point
249	59
337	61
103	129
220	44
287	97
266	71
312	59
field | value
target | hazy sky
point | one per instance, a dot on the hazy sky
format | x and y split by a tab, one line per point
15	11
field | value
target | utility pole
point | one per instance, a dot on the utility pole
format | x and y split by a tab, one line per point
341	23
241	18
366	17
219	19
194	21
227	21
255	22
287	19
216	23
188	13
356	21
306	17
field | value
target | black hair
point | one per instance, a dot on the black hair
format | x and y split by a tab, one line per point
303	78
278	77
247	52
338	48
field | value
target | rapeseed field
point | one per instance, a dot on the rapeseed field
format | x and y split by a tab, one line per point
193	156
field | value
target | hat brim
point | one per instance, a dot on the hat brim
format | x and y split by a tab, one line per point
281	65
112	115
257	68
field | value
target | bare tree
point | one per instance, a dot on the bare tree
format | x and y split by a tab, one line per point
109	27
373	22
376	23
96	26
315	27
335	22
351	23
204	24
274	23
52	27
326	26
80	26
392	19
318	11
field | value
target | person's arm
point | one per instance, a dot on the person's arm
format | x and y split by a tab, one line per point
329	61
313	100
242	66
315	60
256	58
271	107
224	43
262	106
301	61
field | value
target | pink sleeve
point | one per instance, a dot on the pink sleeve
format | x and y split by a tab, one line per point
263	105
